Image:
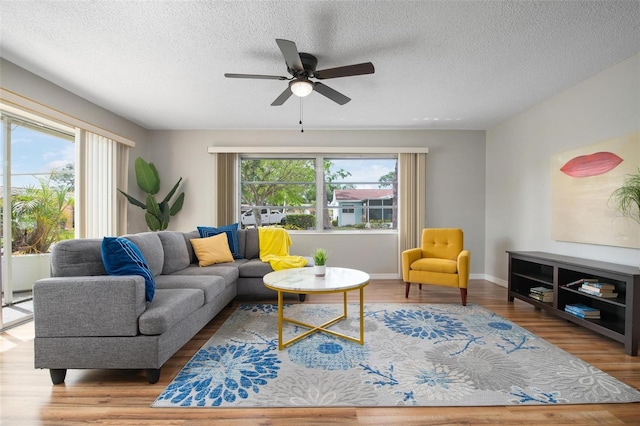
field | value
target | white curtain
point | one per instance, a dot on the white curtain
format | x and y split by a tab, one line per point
412	182
101	169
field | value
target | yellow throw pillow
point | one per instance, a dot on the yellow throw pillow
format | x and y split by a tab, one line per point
212	250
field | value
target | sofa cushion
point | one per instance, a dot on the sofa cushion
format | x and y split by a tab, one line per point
212	250
188	236
122	257
176	255
151	248
252	244
77	258
242	242
168	308
433	264
228	271
254	268
211	285
231	231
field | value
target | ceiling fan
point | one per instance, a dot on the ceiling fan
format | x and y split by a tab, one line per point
302	67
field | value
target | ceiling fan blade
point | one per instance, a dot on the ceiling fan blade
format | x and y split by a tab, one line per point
283	97
260	76
346	71
291	54
330	93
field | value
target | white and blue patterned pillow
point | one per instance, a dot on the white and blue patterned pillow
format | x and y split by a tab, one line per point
122	257
232	236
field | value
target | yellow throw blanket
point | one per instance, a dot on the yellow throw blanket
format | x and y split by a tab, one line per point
274	248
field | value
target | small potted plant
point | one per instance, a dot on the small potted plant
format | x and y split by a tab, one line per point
320	256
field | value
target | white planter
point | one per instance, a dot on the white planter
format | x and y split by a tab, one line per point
319	270
29	268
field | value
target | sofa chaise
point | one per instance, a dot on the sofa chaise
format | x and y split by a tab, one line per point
87	319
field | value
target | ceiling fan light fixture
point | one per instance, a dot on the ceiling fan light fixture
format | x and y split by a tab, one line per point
301	87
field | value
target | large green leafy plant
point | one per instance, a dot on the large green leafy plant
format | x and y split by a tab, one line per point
37	213
158	213
627	197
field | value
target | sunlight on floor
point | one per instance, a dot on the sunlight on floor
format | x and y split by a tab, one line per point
9	339
20	311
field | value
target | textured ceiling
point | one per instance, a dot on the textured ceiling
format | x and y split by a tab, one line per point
438	64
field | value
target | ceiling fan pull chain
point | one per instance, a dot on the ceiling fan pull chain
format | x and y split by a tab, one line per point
301	113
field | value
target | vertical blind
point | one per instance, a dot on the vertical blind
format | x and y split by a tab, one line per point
102	169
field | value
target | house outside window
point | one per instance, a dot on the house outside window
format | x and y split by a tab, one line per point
374	206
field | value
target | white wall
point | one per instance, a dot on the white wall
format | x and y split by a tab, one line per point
455	175
518	166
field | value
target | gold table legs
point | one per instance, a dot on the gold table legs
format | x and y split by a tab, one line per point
323	327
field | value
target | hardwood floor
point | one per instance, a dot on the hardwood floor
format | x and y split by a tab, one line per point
27	396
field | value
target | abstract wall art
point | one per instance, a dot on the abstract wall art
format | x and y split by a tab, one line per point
582	181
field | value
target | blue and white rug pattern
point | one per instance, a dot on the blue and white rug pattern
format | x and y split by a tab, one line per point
414	355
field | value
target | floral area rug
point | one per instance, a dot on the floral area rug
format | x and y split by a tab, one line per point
414	355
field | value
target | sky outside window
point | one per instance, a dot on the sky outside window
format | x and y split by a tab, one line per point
364	170
36	154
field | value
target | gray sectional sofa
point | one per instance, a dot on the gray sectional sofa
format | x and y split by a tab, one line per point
86	319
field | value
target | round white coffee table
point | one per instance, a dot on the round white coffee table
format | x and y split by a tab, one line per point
303	281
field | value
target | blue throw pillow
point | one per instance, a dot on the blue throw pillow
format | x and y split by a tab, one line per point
232	236
121	257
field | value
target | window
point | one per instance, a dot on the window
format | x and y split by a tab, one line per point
362	192
351	192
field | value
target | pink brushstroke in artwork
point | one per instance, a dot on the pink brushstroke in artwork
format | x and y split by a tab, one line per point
591	165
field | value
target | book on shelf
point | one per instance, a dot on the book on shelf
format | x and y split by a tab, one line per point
603	294
584	316
541	290
599	286
581	281
581	307
583	311
543	294
542	297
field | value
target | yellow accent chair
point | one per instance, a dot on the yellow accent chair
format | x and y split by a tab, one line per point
442	260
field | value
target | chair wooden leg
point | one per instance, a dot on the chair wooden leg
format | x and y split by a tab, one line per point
463	294
419	286
406	290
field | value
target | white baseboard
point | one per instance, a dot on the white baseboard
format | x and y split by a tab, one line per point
385	276
495	280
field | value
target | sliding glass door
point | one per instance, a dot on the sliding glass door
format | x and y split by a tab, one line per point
38	159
